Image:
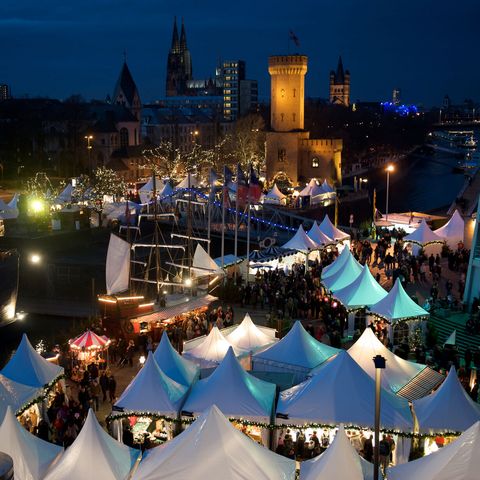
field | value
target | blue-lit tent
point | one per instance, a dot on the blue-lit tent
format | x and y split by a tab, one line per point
345	275
337	264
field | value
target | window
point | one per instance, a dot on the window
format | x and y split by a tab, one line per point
293	117
282	93
123	137
400	333
282	155
281	117
294	92
315	162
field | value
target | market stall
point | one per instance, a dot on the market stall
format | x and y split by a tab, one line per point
453	231
275	196
349	269
331	231
424	238
250	337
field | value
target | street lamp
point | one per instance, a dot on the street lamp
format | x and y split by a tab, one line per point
380	364
390	168
362	180
89	139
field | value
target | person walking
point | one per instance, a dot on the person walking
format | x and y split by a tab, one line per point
104	385
95	390
112	387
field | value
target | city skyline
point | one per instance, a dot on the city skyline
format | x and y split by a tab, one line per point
56	50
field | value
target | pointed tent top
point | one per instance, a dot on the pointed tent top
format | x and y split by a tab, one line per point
94	449
175	47
453	230
345	275
329	229
423	235
301	241
274	195
326	187
173	364
15	394
248	336
398	305
337	264
27	366
319	237
452	339
31	455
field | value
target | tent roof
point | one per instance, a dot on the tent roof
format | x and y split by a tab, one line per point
298	348
247	336
336	264
234	391
458	460
203	264
31	455
326	187
340	460
301	241
148	187
398	305
15	394
153	391
94	453
307	191
173	364
29	367
449	408
454	228
318	236
275	193
398	373
185	183
327	396
345	275
331	231
66	195
14	201
363	291
89	340
231	455
423	235
212	350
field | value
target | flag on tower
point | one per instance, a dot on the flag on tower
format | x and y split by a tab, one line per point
294	38
254	190
242	188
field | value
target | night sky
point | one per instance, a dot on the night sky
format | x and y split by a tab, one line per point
426	47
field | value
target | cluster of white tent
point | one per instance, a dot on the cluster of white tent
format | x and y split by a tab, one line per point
317	192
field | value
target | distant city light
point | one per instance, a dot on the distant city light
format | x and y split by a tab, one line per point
402	110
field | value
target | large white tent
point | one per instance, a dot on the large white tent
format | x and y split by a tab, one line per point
212	448
301	242
312	188
16	395
319	237
234	391
340	460
145	192
27	366
341	392
345	275
94	454
274	196
458	460
247	336
173	364
65	196
152	391
448	409
331	231
190	181
423	237
31	455
298	353
453	231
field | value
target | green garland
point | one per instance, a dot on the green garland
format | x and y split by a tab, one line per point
44	396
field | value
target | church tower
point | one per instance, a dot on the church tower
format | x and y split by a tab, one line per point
126	92
340	85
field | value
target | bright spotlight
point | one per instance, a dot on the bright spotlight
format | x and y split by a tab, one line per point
35	258
142	360
20	315
37	206
188	282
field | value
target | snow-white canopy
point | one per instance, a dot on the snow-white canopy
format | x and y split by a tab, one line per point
312	188
16	395
173	364
341	392
423	235
362	292
340	460
453	231
319	237
27	366
213	448
301	242
31	455
148	187
94	454
345	275
203	264
152	391
458	460
65	196
337	264
190	181
448	409
398	305
331	231
234	391
274	196
247	336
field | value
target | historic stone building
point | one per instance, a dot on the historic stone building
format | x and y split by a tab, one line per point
340	85
290	152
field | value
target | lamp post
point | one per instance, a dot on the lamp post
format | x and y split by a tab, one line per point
89	139
380	363
390	168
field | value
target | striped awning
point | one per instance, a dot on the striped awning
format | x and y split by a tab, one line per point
89	341
421	385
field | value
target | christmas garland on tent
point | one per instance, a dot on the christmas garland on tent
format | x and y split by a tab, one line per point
47	388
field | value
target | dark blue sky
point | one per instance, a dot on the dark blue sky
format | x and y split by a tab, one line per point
426	47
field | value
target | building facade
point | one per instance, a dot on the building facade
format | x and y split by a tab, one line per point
340	85
4	92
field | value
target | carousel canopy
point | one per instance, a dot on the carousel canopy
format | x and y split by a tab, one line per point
27	366
318	236
362	292
173	364
31	455
345	275
337	264
274	196
458	460
211	351
448	409
89	341
234	391
152	391
423	235
301	241
340	460
16	395
190	181
328	398
213	448
331	231
398	305
94	454
453	231
247	336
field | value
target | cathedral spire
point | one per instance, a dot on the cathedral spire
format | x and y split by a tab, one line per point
183	38
340	75
175	48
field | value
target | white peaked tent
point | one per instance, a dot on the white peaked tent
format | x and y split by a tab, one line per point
398	305
146	191
274	196
203	264
212	448
165	194
211	351
337	264
31	455
331	231
448	409
422	237
94	454
326	187
453	231
345	275
341	392
16	395
173	364
13	203
117	272
234	391
65	196
324	192
190	181
459	460
297	352
301	242
319	237
340	460
307	191
247	336
152	391
362	292
27	366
